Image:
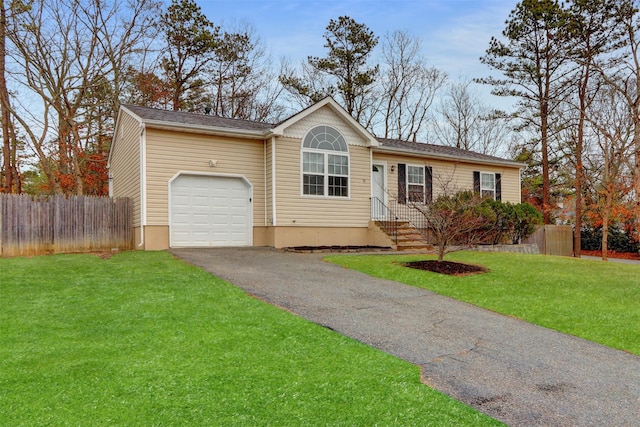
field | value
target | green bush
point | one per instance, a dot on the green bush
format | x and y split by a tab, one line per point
527	217
502	220
513	222
618	240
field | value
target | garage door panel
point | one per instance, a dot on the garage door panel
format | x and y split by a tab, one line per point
221	219
199	198
199	213
237	204
234	210
210	211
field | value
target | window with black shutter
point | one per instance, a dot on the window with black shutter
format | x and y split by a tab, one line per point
415	183
428	185
402	184
487	184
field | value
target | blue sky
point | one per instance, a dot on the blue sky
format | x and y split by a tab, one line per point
455	33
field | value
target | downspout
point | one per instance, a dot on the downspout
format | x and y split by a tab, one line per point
520	172
371	183
264	160
273	181
143	183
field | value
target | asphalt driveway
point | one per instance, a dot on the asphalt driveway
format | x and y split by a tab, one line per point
521	374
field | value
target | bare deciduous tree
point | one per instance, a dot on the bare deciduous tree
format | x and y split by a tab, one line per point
65	54
455	220
610	164
591	24
622	73
408	87
306	85
242	84
9	176
464	121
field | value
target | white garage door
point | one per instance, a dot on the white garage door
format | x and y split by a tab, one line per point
210	211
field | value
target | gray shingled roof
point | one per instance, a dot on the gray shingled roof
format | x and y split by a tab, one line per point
437	151
206	121
181	117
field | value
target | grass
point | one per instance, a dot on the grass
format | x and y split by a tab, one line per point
145	339
589	299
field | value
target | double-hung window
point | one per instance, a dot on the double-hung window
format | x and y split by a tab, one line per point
415	183
488	185
325	163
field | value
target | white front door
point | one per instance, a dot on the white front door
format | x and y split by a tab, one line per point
378	191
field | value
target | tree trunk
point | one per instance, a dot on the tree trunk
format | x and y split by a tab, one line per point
577	243
8	165
546	192
636	123
577	238
605	229
636	176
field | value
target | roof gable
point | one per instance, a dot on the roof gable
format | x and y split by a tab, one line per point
330	104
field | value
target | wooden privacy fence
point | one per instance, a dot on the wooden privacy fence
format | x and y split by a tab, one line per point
553	239
60	224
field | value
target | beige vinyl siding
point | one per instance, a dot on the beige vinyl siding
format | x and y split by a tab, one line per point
511	186
171	152
294	209
449	176
324	116
124	164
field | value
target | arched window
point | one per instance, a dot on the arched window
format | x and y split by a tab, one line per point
325	163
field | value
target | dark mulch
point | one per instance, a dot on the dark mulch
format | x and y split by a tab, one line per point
447	267
311	249
613	254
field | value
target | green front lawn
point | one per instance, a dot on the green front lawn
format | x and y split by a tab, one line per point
590	299
144	339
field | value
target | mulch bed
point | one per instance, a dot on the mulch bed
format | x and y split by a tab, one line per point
312	249
447	267
613	254
461	269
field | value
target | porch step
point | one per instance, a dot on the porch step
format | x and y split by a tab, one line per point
409	238
416	247
413	244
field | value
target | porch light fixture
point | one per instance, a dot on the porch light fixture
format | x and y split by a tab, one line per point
393	168
213	163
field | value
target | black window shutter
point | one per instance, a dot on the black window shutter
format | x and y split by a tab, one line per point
498	187
428	184
476	182
402	183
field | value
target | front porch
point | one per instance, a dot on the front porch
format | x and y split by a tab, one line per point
404	224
